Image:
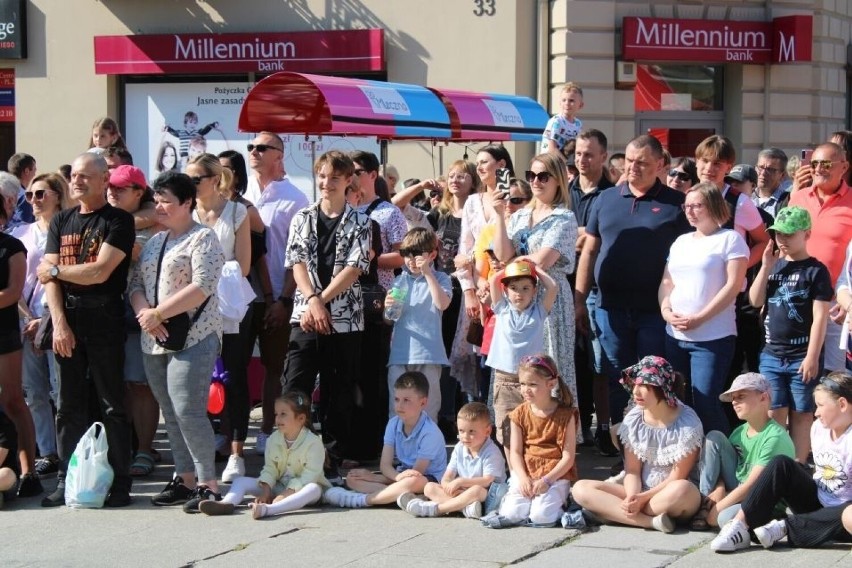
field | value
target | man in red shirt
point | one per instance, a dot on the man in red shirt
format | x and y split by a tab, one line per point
829	201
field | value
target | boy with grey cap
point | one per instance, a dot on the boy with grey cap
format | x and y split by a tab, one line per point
730	466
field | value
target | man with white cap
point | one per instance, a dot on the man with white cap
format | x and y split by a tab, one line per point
730	466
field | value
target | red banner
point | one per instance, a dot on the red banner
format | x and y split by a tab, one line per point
346	51
7	95
784	40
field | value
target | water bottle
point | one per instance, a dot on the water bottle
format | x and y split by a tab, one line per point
398	293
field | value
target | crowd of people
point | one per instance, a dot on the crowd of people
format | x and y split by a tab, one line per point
509	313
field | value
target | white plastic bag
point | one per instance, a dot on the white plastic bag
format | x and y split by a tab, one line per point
234	292
89	476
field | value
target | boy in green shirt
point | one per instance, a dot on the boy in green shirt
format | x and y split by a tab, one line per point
730	466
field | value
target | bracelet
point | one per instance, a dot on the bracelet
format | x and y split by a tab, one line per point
311	297
158	314
547	481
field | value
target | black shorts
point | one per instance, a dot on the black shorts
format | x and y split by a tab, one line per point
10	342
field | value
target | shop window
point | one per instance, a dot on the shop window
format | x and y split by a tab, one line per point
679	88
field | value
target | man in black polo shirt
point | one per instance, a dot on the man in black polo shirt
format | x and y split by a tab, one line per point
628	236
84	272
590	159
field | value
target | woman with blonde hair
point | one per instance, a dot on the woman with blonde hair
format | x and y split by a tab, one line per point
545	234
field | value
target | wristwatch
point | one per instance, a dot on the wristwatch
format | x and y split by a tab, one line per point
54	271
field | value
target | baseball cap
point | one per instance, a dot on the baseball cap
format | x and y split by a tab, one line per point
518	269
746	381
123	176
792	219
742	172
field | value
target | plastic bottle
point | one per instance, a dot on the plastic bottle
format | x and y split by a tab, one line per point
398	293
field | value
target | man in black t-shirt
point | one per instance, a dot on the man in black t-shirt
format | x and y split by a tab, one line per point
84	271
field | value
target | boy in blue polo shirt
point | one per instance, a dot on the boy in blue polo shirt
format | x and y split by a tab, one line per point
417	343
476	463
413	439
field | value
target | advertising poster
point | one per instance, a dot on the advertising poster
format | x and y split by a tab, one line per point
167	123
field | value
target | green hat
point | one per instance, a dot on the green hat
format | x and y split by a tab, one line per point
792	219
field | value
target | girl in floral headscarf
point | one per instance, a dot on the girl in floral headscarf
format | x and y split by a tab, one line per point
662	440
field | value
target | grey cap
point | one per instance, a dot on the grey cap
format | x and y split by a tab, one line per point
742	172
746	381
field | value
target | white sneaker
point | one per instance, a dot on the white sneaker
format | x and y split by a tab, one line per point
473	510
260	443
770	533
663	523
617	479
236	468
403	500
733	536
421	508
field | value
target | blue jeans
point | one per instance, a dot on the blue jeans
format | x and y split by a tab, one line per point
39	382
788	388
706	364
719	462
626	335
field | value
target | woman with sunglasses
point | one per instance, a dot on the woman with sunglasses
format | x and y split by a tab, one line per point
704	274
817	501
545	233
128	190
228	220
48	194
682	174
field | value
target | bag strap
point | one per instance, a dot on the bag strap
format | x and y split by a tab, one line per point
372	207
157	285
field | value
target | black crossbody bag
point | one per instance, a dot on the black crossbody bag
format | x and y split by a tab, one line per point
177	326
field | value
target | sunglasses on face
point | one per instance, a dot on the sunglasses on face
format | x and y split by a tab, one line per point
37	194
824	164
543	177
682	176
435	193
261	148
517	200
412	252
197	179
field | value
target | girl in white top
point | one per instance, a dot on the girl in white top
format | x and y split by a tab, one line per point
817	501
704	274
662	440
228	220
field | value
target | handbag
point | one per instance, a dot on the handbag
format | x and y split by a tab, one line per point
177	326
89	476
475	331
372	293
43	339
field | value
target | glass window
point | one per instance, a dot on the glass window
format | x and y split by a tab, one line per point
679	87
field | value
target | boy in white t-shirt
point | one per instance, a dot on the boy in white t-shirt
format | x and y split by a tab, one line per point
565	125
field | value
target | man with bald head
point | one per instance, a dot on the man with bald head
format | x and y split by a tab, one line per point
84	272
829	201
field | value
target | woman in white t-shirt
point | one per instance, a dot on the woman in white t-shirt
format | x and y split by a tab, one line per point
817	501
705	272
228	219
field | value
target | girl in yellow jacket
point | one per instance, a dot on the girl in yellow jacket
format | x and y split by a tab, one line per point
292	475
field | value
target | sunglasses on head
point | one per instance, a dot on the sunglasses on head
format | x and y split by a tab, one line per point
197	179
517	200
543	177
37	194
682	176
412	252
540	362
261	148
835	387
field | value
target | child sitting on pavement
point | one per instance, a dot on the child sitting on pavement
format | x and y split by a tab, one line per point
417	343
542	453
475	464
412	438
521	312
292	474
730	466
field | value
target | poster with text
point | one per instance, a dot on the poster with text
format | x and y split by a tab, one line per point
167	123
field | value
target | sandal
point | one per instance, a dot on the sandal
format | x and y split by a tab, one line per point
699	521
143	465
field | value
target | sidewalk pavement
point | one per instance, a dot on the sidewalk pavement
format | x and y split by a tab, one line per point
144	535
